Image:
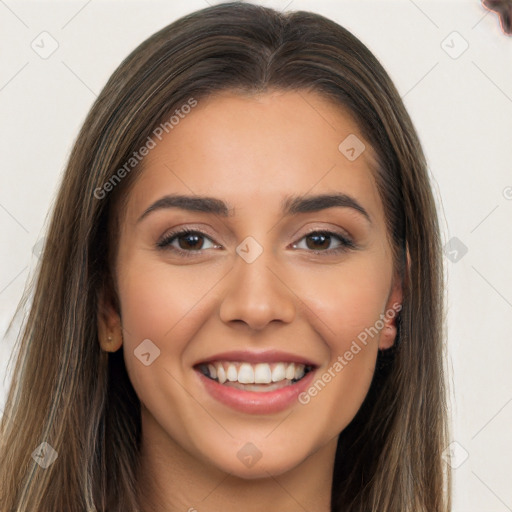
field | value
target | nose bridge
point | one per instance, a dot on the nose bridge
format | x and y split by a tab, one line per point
256	294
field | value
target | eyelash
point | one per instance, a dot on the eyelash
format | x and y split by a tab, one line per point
164	244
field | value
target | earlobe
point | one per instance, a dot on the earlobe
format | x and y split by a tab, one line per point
110	334
387	336
393	307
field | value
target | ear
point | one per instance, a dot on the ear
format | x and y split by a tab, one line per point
389	317
110	335
393	308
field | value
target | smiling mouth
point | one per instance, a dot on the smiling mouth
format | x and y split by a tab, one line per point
254	377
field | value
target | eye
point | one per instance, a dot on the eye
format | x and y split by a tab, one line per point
188	241
316	240
191	242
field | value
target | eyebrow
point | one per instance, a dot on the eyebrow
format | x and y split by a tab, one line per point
291	205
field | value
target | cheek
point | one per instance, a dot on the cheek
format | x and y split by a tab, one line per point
163	305
345	308
347	299
155	298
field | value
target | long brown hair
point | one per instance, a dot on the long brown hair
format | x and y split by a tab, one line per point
68	392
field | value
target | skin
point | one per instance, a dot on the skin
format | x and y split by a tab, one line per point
250	151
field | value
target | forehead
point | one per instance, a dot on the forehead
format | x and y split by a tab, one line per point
254	150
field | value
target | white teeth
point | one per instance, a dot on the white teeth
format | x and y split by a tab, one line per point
245	374
279	372
290	372
213	371
221	374
299	372
232	374
260	373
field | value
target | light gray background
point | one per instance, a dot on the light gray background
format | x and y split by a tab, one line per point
461	107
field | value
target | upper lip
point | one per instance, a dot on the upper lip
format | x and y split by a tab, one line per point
266	356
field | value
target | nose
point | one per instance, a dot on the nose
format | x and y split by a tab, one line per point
257	294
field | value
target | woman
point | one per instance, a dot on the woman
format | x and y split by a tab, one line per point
187	349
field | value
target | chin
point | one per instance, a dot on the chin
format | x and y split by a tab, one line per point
249	463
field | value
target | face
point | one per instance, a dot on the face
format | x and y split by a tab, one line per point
266	285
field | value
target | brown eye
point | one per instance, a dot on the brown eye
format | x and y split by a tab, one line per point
190	241
320	242
187	240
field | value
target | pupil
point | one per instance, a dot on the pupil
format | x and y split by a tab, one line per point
193	237
326	239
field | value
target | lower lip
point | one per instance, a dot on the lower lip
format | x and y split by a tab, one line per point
254	402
